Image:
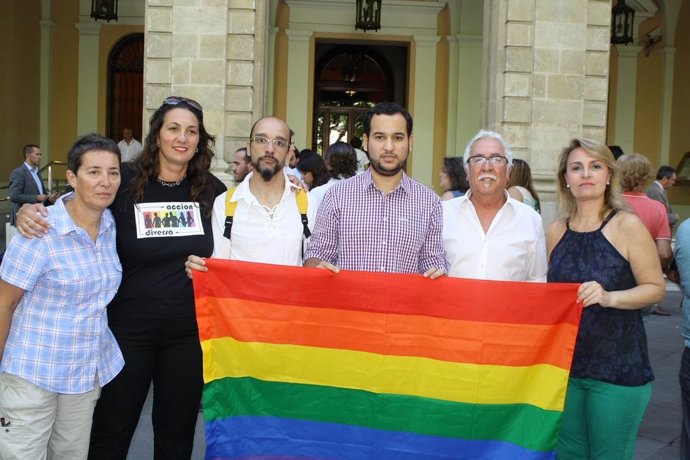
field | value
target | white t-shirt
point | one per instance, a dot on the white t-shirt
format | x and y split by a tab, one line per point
258	234
513	249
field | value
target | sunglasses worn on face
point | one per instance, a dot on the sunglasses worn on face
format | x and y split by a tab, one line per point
174	100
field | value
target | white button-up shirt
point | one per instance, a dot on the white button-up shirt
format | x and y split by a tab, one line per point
513	249
258	234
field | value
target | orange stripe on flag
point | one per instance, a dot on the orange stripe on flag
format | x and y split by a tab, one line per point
387	334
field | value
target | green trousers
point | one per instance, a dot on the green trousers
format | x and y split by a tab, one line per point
600	420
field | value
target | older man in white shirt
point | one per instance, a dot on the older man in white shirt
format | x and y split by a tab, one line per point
487	234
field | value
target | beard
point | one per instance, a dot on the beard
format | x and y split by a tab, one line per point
376	166
267	172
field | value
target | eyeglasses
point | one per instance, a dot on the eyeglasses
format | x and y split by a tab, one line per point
496	160
174	100
277	143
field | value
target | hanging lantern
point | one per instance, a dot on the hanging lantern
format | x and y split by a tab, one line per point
368	15
622	22
104	9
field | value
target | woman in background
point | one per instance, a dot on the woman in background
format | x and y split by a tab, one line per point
453	178
520	184
312	169
341	162
608	250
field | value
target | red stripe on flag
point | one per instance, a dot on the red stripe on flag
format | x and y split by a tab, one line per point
401	294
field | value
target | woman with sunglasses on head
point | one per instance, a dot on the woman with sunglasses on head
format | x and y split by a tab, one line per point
163	214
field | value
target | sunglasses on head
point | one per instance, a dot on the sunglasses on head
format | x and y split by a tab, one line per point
174	100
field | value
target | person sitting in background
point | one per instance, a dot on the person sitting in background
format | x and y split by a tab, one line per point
520	184
341	162
56	348
636	173
608	251
453	178
312	168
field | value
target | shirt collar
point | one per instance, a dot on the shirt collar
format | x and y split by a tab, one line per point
64	224
368	181
33	169
244	193
509	201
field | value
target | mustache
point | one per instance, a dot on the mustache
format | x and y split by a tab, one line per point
487	176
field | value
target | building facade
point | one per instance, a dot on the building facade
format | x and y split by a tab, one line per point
539	72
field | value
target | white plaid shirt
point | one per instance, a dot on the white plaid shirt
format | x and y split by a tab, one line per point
358	227
59	339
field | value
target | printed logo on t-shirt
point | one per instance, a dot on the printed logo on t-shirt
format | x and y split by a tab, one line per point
168	219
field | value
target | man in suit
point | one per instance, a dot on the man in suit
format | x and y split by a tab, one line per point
665	179
26	185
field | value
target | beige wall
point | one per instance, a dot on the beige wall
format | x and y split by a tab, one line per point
20	35
680	127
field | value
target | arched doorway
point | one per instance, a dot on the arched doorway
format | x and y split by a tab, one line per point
125	96
349	80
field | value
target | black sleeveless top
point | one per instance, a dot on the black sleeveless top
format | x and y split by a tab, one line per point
611	343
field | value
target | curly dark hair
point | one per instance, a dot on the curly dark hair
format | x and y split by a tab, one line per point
313	163
454	168
147	165
341	160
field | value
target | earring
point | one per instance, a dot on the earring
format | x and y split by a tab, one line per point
567	185
197	150
608	183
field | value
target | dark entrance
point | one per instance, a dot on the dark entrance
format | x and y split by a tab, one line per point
125	87
351	78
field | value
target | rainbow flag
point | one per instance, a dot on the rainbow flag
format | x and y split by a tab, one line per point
307	364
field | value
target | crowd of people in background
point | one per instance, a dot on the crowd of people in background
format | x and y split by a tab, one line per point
612	239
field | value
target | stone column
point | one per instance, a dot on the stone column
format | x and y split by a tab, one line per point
87	95
46	58
298	84
213	52
547	74
424	107
626	92
667	103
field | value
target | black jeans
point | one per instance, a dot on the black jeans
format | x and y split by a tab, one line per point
165	351
684	378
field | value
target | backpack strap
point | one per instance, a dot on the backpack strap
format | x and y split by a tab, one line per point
230	207
302	203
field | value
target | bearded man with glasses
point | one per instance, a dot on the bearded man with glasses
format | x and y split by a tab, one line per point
486	233
267	225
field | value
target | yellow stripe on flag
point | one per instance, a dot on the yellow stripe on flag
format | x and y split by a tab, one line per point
540	385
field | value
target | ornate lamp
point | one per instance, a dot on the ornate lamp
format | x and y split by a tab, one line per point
622	18
104	9
368	15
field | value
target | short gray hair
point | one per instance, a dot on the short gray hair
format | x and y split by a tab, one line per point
487	134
